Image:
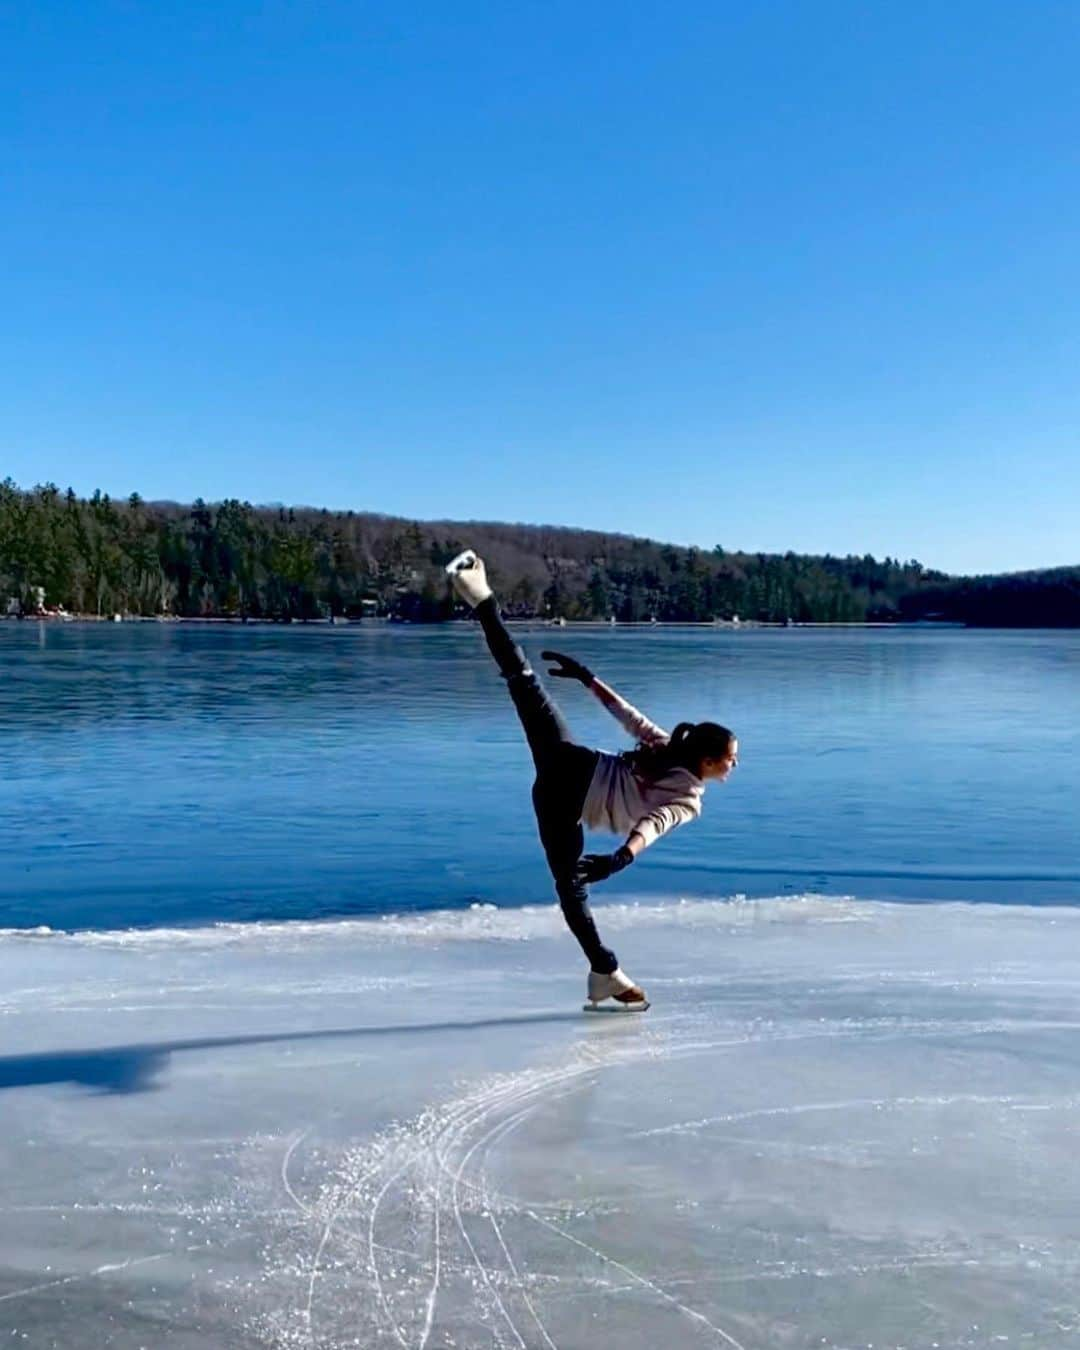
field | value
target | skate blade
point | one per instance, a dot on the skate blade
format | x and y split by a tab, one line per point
615	1007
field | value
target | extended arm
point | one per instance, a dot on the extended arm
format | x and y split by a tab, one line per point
628	717
636	723
600	866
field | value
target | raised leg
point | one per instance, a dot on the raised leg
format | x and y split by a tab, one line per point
564	770
544	725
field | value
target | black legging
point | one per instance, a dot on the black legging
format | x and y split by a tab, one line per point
564	771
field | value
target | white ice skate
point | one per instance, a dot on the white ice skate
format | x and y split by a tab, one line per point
469	576
614	993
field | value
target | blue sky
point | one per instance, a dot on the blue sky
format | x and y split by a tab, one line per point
771	275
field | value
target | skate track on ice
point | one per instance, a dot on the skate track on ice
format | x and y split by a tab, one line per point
430	1178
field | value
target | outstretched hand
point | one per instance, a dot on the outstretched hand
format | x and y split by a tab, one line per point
568	668
599	866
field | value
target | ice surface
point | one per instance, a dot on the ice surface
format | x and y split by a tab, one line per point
842	1124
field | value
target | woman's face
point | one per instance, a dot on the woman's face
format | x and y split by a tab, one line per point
718	769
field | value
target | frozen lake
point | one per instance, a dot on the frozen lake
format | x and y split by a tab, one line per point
313	1099
843	1124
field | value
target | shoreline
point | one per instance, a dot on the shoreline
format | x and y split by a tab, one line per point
386	621
535	921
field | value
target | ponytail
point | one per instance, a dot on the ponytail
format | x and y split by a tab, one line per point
681	735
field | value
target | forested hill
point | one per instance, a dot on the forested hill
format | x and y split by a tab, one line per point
105	556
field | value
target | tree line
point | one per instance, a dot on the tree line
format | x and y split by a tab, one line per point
101	555
1040	599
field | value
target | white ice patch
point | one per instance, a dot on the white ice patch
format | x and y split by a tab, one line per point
480	922
406	1133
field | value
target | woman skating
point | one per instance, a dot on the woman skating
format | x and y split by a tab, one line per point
642	794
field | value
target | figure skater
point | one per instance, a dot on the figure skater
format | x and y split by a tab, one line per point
641	794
